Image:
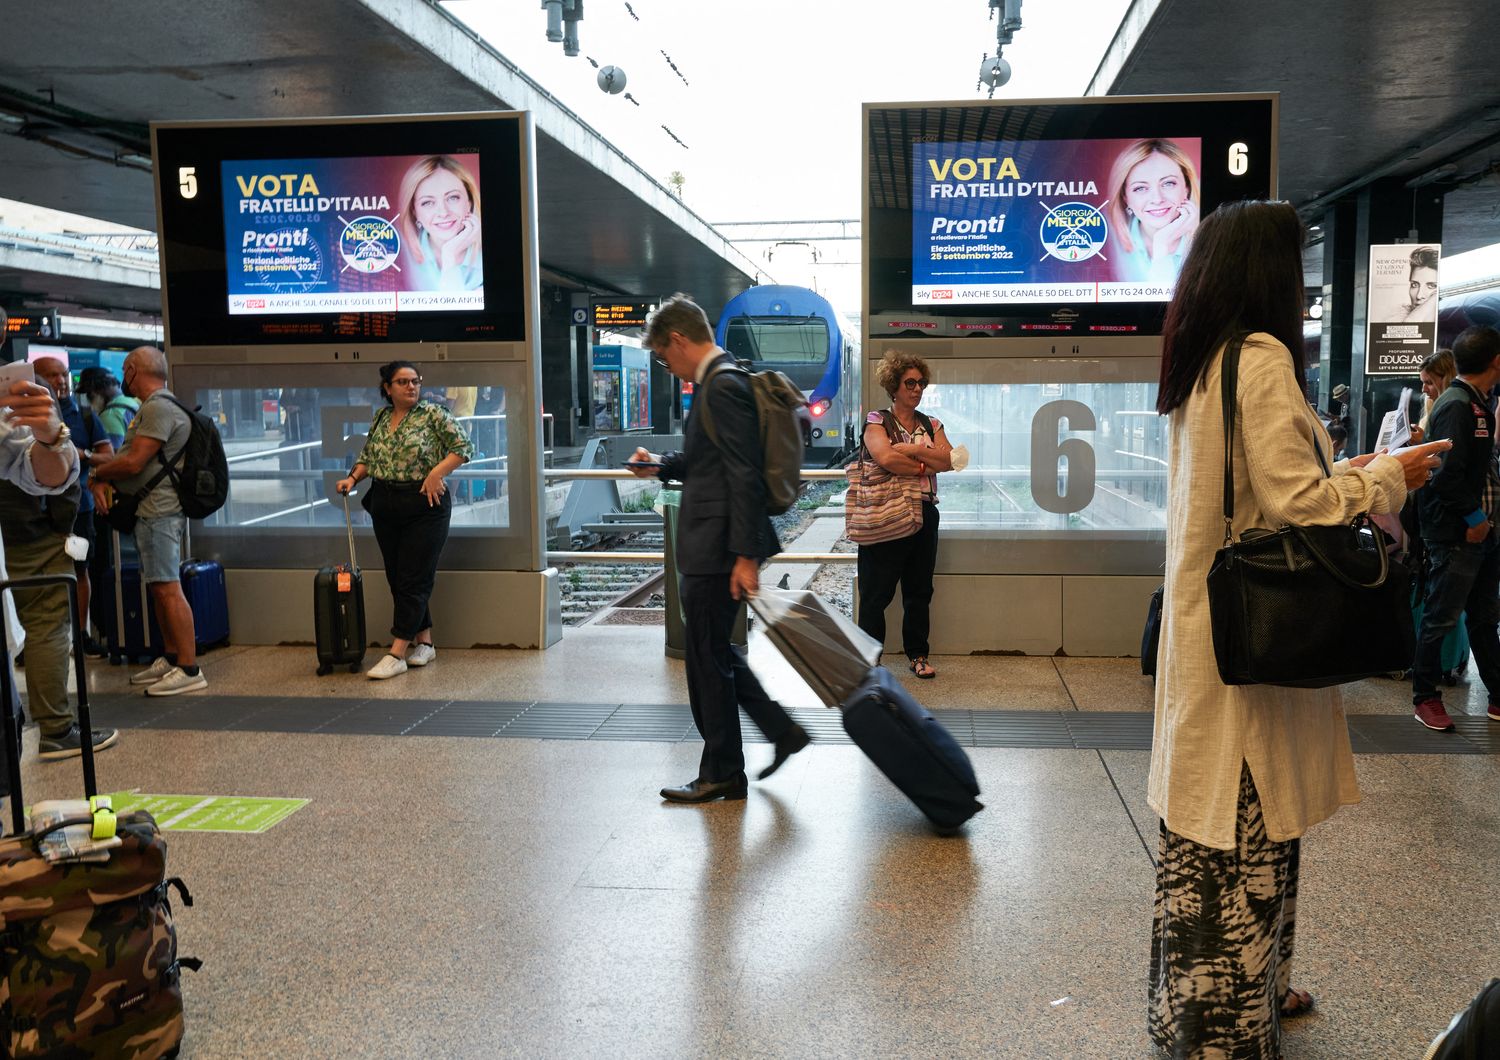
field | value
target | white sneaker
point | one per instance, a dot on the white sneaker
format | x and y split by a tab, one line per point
420	654
388	666
153	673
176	681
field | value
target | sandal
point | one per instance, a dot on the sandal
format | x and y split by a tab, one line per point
922	668
1296	1003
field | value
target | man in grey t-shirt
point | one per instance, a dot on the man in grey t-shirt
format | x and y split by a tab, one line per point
160	429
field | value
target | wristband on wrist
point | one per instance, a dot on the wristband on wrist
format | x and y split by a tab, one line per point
1477	517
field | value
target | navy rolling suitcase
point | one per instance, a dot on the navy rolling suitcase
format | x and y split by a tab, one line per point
133	637
912	749
339	611
136	637
839	661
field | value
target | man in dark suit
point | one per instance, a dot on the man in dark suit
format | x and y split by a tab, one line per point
723	536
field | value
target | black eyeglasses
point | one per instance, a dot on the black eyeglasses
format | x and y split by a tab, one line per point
407	382
914	384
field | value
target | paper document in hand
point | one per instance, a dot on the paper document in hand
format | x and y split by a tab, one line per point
1395	427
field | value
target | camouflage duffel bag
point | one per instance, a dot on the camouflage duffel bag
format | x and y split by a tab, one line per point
90	966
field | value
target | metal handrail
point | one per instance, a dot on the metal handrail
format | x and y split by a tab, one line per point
621	473
261	454
660	557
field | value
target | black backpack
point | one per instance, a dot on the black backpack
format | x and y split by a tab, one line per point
202	477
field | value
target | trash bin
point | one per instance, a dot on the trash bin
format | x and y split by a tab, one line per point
670	502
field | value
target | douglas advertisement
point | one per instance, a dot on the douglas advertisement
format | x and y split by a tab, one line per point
1052	221
342	235
1402	323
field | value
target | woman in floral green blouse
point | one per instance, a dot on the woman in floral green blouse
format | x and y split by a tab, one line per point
413	446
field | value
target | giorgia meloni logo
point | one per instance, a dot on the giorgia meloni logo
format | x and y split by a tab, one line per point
369	244
1074	231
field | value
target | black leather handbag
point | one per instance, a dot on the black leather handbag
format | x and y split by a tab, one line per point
1303	606
1151	635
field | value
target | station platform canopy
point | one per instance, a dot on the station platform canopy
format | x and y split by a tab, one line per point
80	83
1370	90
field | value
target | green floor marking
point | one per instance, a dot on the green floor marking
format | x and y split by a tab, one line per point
209	813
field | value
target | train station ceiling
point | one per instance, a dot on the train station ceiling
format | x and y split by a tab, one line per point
1370	89
80	81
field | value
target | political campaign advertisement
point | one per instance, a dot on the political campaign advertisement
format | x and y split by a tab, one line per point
1401	328
1052	221
340	235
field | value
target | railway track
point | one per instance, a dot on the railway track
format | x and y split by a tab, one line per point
589	589
632	593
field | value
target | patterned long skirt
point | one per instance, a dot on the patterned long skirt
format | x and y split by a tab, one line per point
1221	941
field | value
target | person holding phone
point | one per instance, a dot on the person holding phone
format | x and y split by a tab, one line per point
1240	773
39	466
440	226
413	446
724	534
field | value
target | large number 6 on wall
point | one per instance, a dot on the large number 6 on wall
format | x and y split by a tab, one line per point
1047	455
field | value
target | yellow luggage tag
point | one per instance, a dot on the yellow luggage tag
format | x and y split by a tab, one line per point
102	807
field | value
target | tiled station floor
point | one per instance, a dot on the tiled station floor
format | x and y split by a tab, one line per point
485	868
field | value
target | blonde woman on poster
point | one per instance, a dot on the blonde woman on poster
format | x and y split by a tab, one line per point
440	229
1153	209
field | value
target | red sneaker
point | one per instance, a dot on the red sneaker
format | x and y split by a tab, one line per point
1430	713
1494	712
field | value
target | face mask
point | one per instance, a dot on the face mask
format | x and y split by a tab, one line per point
96	403
126	388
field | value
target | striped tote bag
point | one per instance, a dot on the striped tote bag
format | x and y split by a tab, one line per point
878	505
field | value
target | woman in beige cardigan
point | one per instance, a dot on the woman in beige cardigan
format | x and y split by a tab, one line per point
1239	773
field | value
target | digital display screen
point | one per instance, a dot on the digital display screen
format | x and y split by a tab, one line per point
342	235
306	233
1068	216
1052	221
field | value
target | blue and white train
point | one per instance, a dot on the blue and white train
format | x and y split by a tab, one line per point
796	331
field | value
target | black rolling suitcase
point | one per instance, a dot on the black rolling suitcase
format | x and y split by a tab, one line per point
840	663
90	962
339	610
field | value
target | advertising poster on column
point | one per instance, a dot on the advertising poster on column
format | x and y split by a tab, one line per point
1402	327
1052	221
339	235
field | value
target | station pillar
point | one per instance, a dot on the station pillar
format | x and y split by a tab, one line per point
559	364
1385	211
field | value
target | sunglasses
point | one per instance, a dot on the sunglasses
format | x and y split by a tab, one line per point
915	384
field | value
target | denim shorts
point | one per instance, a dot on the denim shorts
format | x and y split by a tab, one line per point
160	544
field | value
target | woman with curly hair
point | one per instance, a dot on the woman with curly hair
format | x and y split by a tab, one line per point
904	442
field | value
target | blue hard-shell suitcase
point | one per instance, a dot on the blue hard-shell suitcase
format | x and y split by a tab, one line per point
912	749
203	585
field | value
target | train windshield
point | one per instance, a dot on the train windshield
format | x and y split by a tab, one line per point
778	340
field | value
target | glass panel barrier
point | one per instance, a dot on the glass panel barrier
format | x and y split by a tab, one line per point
289	444
1067	464
1065	458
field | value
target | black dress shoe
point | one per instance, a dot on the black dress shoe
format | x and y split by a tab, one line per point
708	790
795	739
